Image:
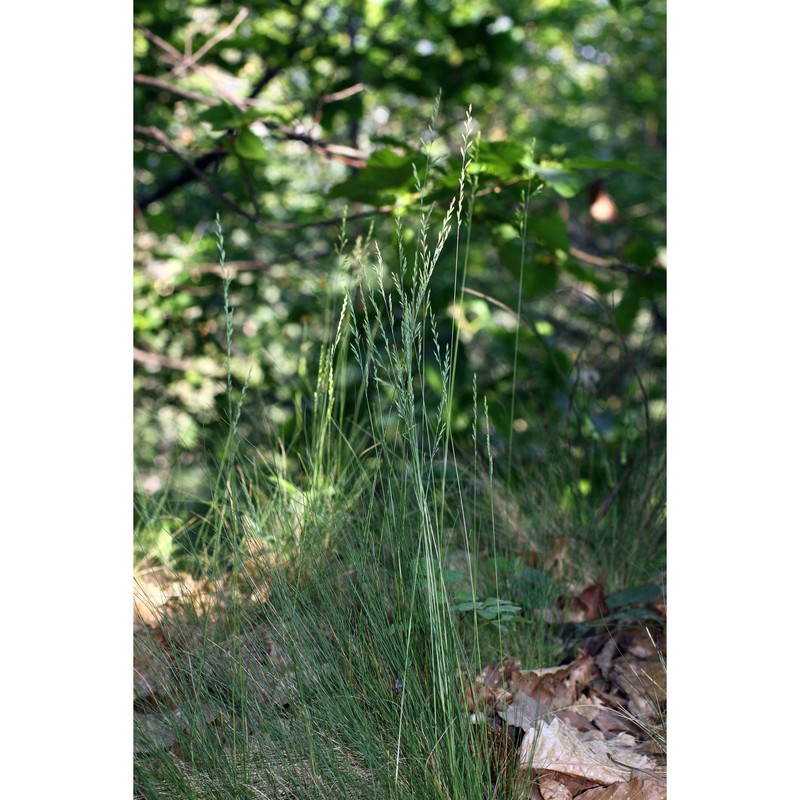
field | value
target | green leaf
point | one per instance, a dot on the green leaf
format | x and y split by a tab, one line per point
640	252
353	189
627	615
226	116
501	628
501	606
634	596
625	313
386	158
564	182
388	170
549	230
385	170
500	564
221	117
539	275
247	145
502	159
585	273
617	165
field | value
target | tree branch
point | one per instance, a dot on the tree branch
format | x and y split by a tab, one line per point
215	39
209	100
193	168
177	57
349	155
606	263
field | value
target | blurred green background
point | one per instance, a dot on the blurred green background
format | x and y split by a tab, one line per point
279	115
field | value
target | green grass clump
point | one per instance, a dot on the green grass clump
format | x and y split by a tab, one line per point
350	600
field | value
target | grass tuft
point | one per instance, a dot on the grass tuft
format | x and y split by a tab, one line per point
346	604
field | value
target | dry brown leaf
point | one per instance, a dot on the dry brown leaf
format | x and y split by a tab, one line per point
645	684
637	789
643	643
500	676
589	706
559	747
538	692
263	665
611	720
624	641
605	658
573	783
154	589
552	789
152	732
572	716
589	605
490	690
151	675
556	558
526	787
482	697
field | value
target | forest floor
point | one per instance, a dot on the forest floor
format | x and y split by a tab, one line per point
591	727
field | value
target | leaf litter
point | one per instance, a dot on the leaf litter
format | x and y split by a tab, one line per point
592	728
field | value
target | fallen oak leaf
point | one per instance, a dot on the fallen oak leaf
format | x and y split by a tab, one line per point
500	676
573	783
523	711
552	789
159	593
559	747
528	783
637	789
540	692
589	605
612	720
644	683
490	688
152	732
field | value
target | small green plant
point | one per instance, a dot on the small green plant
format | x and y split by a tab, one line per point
492	611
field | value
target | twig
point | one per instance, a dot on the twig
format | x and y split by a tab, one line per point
607	263
349	155
161	137
175	55
209	100
354	158
344	93
217	37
